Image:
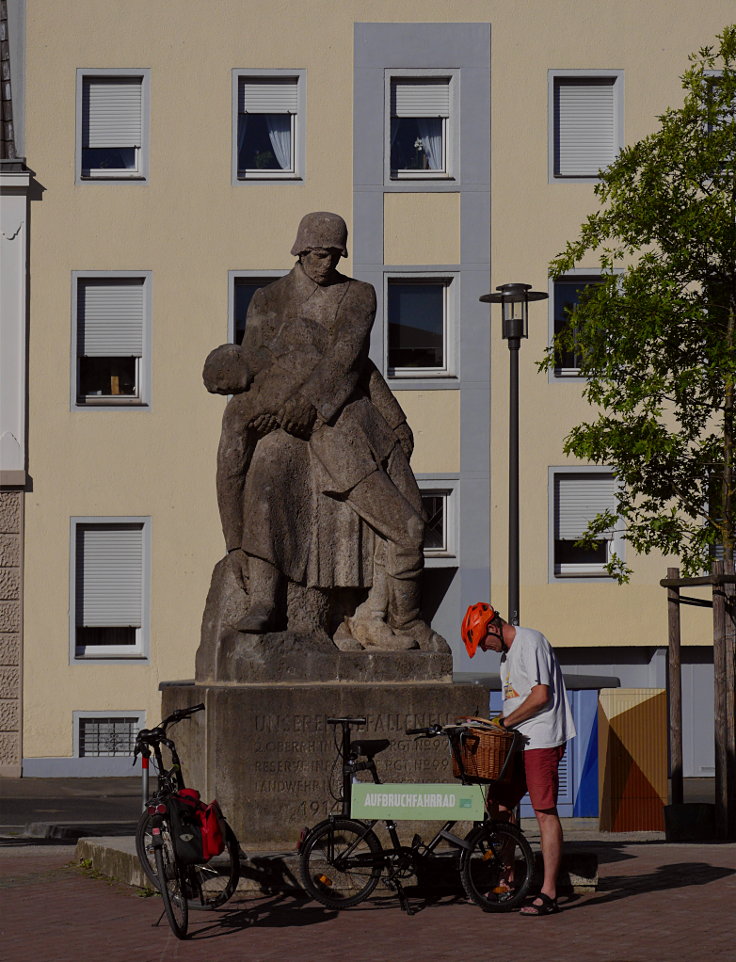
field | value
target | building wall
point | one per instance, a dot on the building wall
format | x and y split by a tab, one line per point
189	225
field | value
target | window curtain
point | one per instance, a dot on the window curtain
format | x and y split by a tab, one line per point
279	133
430	131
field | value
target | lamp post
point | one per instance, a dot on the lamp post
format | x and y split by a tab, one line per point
514	300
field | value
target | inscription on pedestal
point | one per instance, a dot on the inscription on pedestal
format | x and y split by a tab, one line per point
271	756
294	756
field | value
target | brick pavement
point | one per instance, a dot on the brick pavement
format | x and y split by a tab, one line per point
657	902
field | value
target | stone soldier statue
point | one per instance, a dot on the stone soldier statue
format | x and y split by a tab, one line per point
313	480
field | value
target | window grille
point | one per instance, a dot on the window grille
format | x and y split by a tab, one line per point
109	737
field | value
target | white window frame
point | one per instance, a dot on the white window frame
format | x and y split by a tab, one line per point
597	77
139	174
296	172
614	544
111	653
252	276
142	398
447	488
79	716
450	280
582	277
450	131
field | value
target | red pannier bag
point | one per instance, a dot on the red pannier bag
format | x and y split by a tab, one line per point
210	822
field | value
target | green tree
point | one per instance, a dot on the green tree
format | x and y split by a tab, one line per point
656	339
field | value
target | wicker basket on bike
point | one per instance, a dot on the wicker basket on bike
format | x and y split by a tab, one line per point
481	751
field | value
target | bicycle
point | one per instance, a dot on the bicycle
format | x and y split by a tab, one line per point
342	860
190	880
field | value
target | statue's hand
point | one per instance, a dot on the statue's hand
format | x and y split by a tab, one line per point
405	438
297	416
264	423
238	561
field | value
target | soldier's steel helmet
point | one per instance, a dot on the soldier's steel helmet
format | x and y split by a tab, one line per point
321	229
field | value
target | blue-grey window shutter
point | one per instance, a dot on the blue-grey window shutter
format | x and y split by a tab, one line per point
585	126
112	112
110	315
109	572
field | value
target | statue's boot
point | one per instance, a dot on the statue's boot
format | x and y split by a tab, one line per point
373	632
263	582
404	615
368	624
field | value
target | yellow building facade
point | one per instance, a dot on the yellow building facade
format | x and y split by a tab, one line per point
169	153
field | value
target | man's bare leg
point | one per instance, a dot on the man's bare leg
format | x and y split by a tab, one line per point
550	831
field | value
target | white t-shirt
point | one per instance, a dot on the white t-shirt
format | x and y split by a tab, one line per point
530	661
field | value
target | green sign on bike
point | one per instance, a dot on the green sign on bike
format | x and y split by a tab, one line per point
428	802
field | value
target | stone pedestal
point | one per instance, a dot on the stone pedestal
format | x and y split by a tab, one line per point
266	753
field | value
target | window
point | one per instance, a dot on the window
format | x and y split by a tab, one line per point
586	122
243	288
111	337
435	534
567	292
111	735
109	587
267	138
577	498
420	127
440	507
112	125
417	311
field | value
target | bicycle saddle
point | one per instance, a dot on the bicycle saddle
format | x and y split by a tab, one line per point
369	747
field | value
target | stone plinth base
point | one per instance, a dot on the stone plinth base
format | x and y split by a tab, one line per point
287	658
267	754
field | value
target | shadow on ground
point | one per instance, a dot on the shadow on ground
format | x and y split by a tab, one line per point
678	875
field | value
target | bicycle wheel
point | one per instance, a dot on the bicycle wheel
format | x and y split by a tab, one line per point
340	863
144	847
497	867
215	881
173	891
212	882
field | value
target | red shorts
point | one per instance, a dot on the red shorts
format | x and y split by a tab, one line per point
536	771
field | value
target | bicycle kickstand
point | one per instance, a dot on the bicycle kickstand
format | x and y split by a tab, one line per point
401	895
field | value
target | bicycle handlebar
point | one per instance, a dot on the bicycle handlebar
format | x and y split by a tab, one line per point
433	730
429	732
157	735
181	713
349	721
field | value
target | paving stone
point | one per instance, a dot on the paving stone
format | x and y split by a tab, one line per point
656	902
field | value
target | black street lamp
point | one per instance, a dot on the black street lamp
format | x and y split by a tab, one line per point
514	300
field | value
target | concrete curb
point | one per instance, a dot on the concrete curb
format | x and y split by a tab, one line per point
269	873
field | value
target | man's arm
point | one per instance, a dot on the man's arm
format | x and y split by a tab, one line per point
536	701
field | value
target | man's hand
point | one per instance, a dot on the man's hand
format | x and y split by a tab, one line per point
498	722
405	438
297	416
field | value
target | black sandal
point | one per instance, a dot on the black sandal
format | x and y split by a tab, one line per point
547	906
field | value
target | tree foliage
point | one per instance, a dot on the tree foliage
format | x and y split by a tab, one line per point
657	337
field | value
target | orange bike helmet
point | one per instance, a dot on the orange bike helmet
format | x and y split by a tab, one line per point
475	625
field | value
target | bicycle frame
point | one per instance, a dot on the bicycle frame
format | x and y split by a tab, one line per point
360	849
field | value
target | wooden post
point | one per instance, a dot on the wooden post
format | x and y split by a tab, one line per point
674	679
729	698
719	699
